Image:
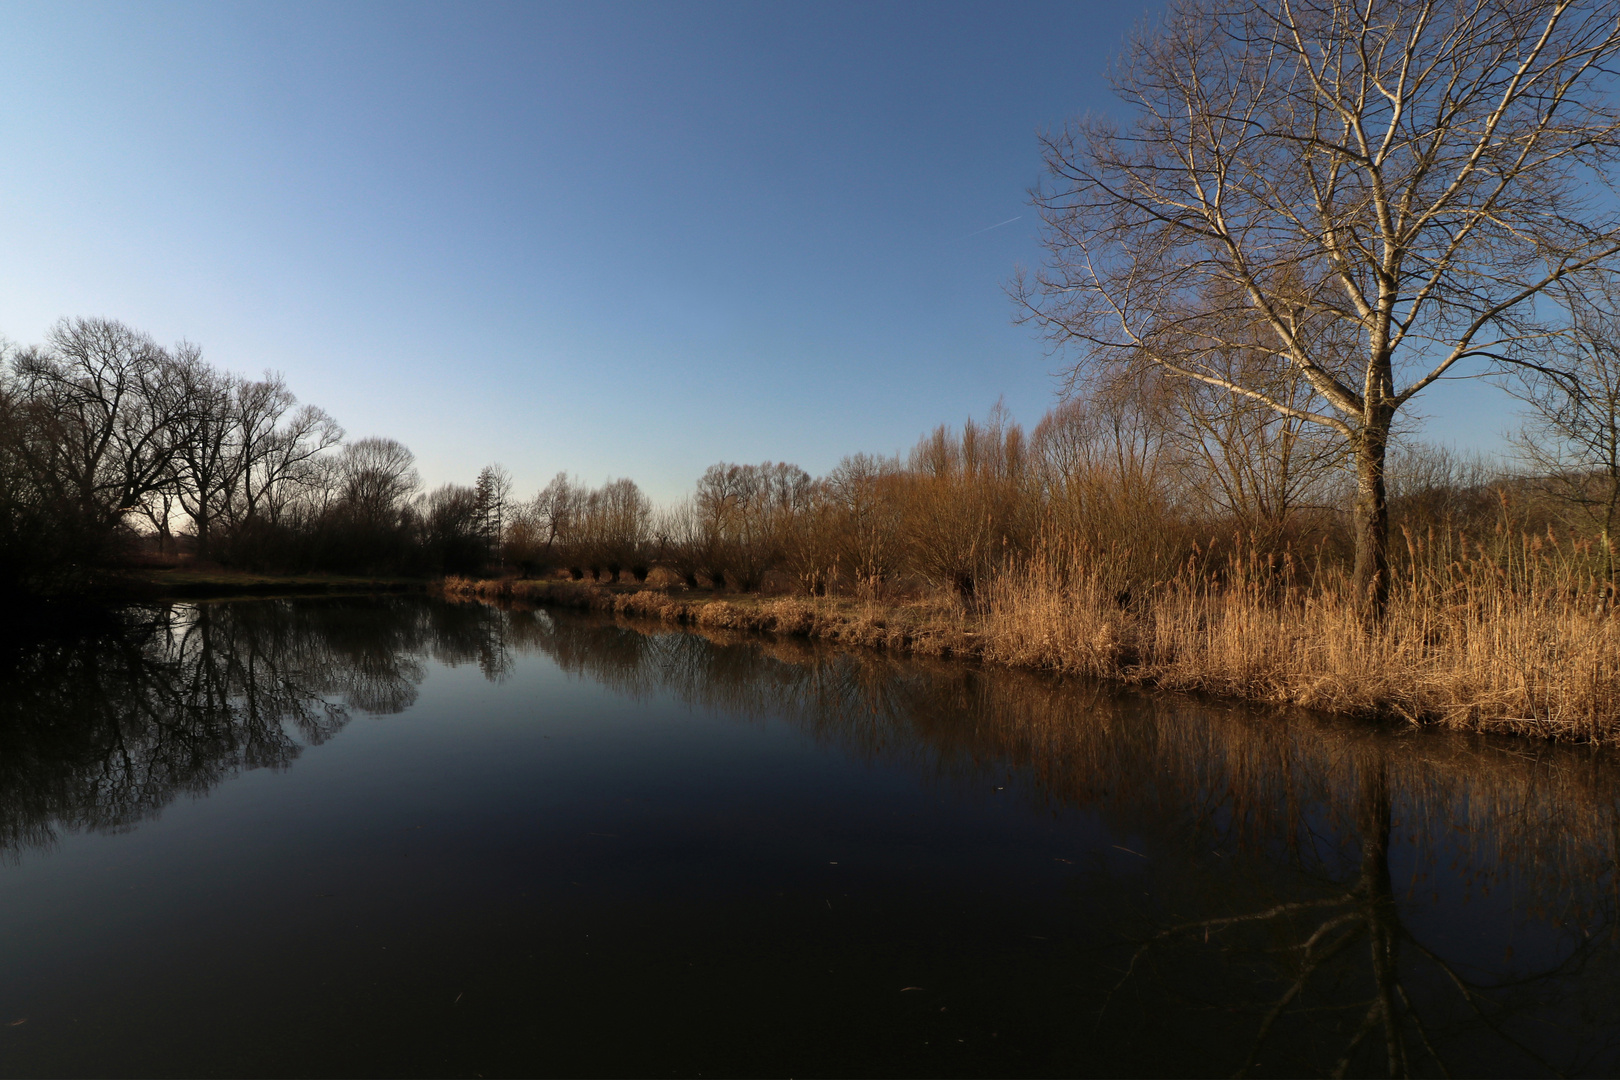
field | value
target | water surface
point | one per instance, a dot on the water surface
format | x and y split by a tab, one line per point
395	836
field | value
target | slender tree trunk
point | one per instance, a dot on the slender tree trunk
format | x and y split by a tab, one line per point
1608	525
1370	579
204	528
1608	551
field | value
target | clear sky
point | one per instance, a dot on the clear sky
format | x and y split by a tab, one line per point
612	239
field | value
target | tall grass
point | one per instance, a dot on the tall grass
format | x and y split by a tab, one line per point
1514	640
1515	636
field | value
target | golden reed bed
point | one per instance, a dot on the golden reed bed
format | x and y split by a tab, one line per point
1471	645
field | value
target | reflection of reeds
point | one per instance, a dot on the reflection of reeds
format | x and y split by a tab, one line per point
936	626
1265	833
1173	768
1513	641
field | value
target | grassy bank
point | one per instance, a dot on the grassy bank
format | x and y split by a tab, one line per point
1470	649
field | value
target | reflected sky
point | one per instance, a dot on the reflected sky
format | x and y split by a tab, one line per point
401	836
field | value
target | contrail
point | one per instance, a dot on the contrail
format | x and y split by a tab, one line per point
987	228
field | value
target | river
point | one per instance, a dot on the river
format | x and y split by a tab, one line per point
368	836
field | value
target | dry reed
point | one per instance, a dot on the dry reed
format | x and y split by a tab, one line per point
1487	643
1514	641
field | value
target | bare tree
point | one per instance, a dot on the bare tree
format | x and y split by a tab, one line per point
1384	189
272	444
159	508
377	476
721	501
115	412
291	462
1107	477
320	488
235	450
746	510
684	540
785	496
1572	433
812	538
867	494
1246	459
966	511
207	455
625	516
452	523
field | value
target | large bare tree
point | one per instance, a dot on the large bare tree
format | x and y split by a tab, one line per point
1384	189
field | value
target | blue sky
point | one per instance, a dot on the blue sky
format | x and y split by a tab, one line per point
616	240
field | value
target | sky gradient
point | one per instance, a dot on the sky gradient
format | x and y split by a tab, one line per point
615	240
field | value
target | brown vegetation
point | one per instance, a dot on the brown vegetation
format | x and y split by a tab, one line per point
1471	641
1119	543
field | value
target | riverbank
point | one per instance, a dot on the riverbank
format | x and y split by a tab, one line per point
1481	658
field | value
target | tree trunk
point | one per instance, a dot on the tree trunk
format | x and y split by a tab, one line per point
1370	579
1609	511
204	527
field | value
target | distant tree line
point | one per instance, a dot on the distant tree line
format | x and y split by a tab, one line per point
1138	479
112	446
113	449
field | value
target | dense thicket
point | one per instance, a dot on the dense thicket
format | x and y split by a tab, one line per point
1142	483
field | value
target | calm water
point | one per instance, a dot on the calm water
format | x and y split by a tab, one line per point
402	837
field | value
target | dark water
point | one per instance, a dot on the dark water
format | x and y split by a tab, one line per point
401	837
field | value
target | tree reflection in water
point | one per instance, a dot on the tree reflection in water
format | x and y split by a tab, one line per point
104	725
1302	894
